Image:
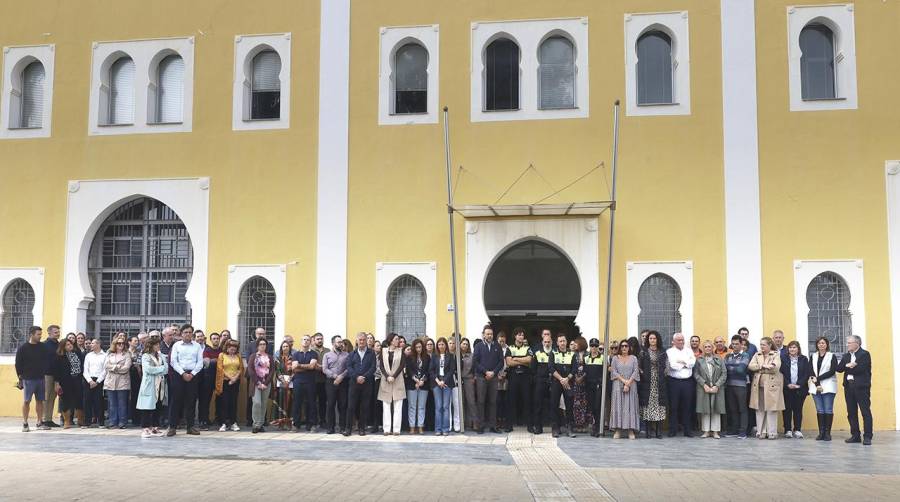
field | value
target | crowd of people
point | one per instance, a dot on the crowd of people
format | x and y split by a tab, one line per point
163	380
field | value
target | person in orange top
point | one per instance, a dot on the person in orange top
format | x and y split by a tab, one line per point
721	349
229	368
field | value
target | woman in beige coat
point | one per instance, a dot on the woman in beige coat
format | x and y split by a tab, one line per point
392	390
117	383
766	396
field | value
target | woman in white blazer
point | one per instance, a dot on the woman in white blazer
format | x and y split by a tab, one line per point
392	389
823	386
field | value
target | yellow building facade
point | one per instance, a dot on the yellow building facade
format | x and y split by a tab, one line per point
218	164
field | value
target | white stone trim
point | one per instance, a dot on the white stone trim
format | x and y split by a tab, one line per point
238	275
576	238
840	18
35	277
146	55
682	272
674	24
743	251
852	273
245	48
390	39
332	179
90	202
529	34
386	274
15	59
892	183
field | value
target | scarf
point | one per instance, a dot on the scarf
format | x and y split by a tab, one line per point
261	367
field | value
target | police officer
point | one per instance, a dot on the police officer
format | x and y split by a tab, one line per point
593	368
561	385
542	364
518	371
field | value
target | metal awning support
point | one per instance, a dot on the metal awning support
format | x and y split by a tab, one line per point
595	208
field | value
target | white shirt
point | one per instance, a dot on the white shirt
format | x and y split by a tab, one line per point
680	363
852	360
186	358
441	366
94	366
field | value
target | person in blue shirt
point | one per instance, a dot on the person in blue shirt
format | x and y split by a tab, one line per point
186	360
487	362
304	379
736	389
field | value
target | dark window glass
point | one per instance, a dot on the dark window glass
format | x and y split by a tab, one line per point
411	79
817	62
654	69
501	79
557	73
265	86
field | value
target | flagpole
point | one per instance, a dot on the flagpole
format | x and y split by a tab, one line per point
450	210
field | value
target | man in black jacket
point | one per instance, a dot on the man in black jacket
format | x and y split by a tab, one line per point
856	365
360	374
487	362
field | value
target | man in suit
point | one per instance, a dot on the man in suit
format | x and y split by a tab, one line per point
487	362
360	373
856	365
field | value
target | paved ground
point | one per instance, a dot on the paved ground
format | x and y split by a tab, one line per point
516	467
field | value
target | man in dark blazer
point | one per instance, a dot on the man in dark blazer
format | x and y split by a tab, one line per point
856	365
361	374
487	362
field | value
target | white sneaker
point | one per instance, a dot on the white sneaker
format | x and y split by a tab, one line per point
234	427
798	435
788	434
146	434
223	428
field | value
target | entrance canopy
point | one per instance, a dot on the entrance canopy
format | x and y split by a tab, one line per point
506	210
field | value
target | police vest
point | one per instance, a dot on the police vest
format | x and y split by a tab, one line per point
593	369
519	352
562	362
542	364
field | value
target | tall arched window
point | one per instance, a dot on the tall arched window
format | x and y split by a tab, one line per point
411	79
828	298
817	62
32	95
140	265
170	91
654	68
501	77
265	86
121	92
660	299
406	307
557	73
18	315
257	303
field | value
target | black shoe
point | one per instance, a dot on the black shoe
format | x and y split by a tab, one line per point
479	430
170	432
495	430
193	431
255	430
51	423
204	427
688	434
672	433
854	439
362	432
346	433
509	429
537	431
329	431
867	441
555	433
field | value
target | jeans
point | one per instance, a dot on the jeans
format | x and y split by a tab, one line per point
389	425
824	403
736	404
442	397
118	407
260	403
416	400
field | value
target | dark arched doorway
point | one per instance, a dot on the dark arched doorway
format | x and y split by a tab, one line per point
532	285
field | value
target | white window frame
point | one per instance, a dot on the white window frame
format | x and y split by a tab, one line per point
34	276
246	47
840	18
682	272
15	59
385	275
238	275
146	55
852	273
675	25
529	34
391	39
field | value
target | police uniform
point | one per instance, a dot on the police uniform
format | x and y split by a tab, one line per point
542	366
519	388
563	364
593	369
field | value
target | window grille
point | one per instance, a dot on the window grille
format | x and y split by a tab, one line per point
828	298
265	86
17	317
654	69
501	79
32	95
406	307
411	79
557	73
660	300
257	303
817	62
121	92
170	93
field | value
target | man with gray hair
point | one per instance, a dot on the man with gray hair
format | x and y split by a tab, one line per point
778	338
856	365
680	376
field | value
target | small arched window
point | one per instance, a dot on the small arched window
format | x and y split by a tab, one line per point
654	68
557	73
411	79
257	303
32	96
170	91
406	307
121	92
817	62
17	316
660	300
265	86
501	77
828	298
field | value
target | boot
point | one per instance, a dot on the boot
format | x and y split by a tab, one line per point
828	419
820	418
79	416
648	430
67	419
658	430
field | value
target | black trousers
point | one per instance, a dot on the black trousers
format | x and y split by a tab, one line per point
858	397
206	388
359	399
592	389
540	403
793	408
150	418
503	404
518	395
556	390
93	403
229	400
321	402
183	400
736	407
305	394
681	395
337	397
751	417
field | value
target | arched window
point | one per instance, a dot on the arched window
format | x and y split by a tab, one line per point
828	298
557	73
406	307
140	265
265	86
501	77
170	91
257	303
18	315
121	92
654	68
411	79
660	300
817	62
32	95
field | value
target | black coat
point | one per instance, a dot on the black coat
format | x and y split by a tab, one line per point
449	369
862	373
644	383
804	371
